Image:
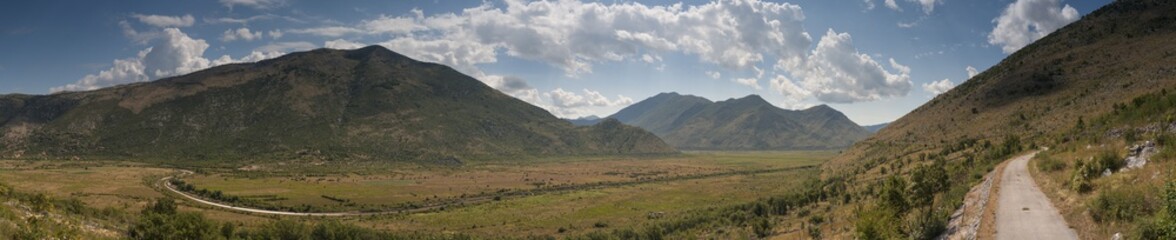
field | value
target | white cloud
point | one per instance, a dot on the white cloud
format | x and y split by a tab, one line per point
238	20
516	87
171	53
713	74
928	5
570	104
1025	21
392	25
937	87
327	31
166	21
793	94
286	47
971	71
574	35
175	54
258	4
836	72
241	34
275	34
893	5
650	58
342	44
749	82
869	4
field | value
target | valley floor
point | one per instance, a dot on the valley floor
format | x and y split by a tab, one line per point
560	198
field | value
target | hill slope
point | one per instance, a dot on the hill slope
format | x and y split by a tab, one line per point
749	123
369	103
1047	93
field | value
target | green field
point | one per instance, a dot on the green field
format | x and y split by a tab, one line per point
550	197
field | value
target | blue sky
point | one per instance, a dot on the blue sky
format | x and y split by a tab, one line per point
875	60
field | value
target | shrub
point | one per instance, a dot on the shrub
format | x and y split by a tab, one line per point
893	195
924	223
600	225
762	228
876	224
1121	204
1108	159
1047	163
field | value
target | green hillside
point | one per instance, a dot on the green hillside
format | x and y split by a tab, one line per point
1063	91
369	103
748	123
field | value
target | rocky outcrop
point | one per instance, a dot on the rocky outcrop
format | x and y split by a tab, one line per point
1138	154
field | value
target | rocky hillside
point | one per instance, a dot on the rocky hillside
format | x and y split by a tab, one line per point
369	103
1058	91
748	123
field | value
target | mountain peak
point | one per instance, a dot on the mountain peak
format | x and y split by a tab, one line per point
373	50
821	107
749	100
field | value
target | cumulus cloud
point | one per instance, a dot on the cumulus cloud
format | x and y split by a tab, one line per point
1025	21
574	35
342	44
171	53
928	5
971	71
257	4
749	82
392	25
937	87
713	74
275	34
568	104
240	34
836	72
893	5
516	87
166	21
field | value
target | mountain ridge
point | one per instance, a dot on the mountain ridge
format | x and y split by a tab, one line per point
368	103
745	123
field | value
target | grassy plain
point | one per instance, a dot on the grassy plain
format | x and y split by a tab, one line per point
577	195
348	187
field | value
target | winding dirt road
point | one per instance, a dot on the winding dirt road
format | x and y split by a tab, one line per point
167	185
1023	211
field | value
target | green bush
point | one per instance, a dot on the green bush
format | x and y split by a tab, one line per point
893	195
1121	204
1163	226
762	228
1047	163
876	224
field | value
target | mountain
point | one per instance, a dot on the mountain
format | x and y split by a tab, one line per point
1090	85
585	121
369	103
1078	72
874	128
748	123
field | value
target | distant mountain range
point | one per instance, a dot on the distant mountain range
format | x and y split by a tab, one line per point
585	121
369	103
874	128
748	123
